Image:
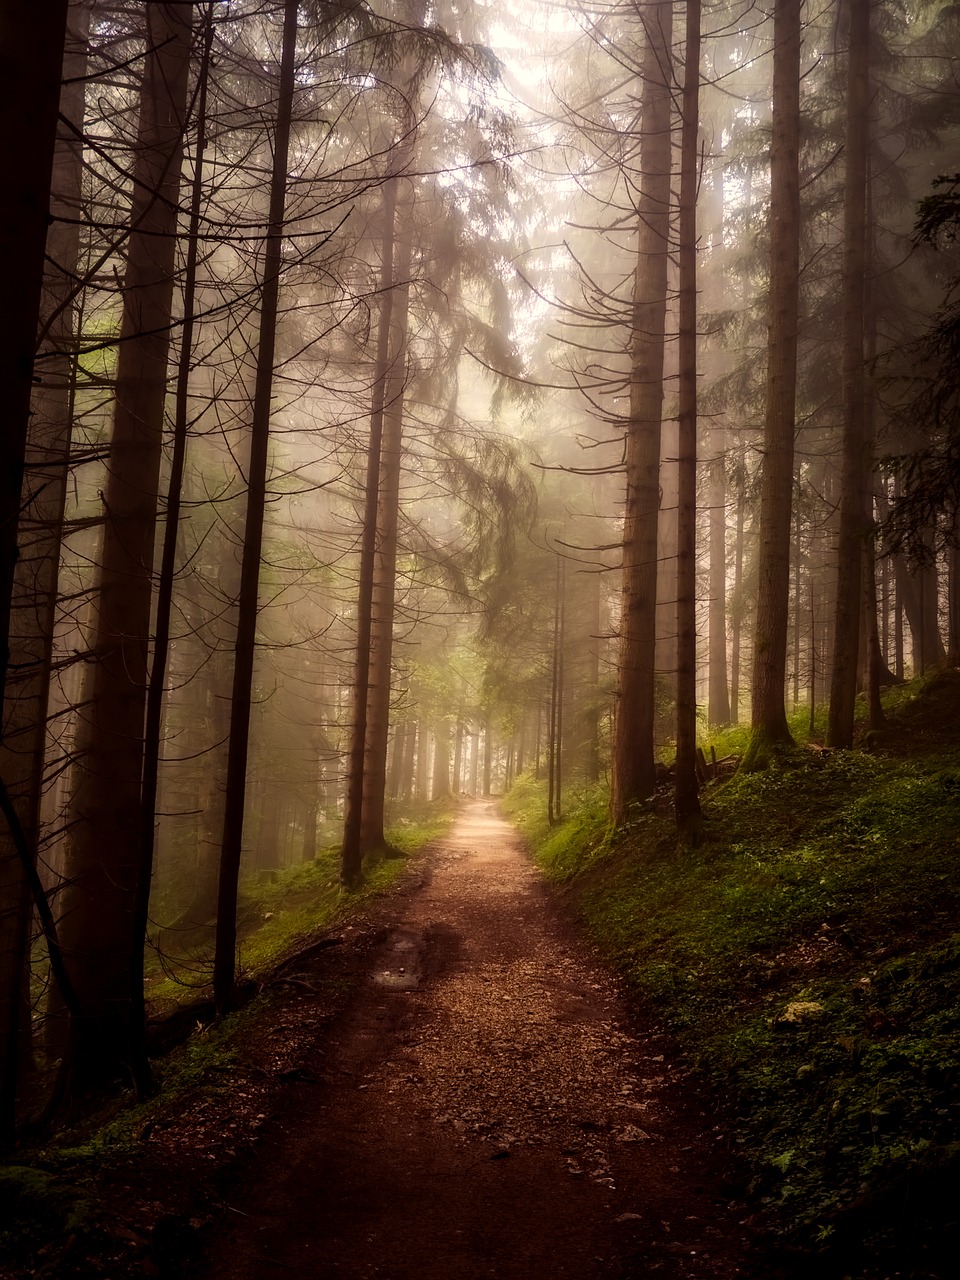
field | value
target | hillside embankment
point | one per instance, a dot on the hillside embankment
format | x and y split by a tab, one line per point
805	958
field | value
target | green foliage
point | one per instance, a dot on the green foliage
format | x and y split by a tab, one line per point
278	912
806	957
36	1205
736	739
525	804
419	824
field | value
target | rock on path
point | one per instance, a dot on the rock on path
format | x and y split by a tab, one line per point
485	1110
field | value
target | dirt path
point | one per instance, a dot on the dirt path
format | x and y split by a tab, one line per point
484	1111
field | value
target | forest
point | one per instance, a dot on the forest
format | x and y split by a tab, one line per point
417	403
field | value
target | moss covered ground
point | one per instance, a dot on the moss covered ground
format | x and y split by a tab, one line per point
807	958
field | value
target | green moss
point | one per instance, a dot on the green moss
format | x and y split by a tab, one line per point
36	1206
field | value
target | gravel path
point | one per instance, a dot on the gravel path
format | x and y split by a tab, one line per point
486	1110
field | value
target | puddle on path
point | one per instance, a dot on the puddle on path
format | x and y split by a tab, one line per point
403	971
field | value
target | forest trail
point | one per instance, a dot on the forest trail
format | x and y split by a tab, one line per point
484	1109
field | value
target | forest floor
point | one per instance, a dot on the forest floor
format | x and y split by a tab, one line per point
483	1104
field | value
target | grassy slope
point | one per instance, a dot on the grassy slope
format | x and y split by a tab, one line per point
807	956
279	913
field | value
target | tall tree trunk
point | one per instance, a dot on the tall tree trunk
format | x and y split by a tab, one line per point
351	852
592	769
409	760
561	689
396	759
768	716
738	610
633	770
139	1063
103	871
458	752
34	590
224	965
440	785
718	695
853	524
686	790
31	53
552	743
394	375
474	761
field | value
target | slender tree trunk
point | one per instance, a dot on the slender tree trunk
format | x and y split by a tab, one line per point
458	752
561	687
440	787
396	759
718	696
686	790
593	683
140	1066
410	760
422	781
768	717
351	852
100	922
898	665
474	761
737	597
224	965
849	603
394	377
552	745
875	665
633	769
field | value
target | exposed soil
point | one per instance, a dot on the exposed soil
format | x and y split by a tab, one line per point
484	1106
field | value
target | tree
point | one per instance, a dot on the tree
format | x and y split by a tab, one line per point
853	493
686	799
32	53
104	863
769	727
632	771
224	966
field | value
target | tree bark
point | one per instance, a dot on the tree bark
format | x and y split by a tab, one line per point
738	609
686	787
718	693
633	771
440	785
31	56
853	521
34	589
351	852
139	1063
99	929
769	726
224	965
383	596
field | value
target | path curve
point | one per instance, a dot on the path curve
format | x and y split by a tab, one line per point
486	1110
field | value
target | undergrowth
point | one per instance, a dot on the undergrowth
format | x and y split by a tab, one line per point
807	957
276	912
